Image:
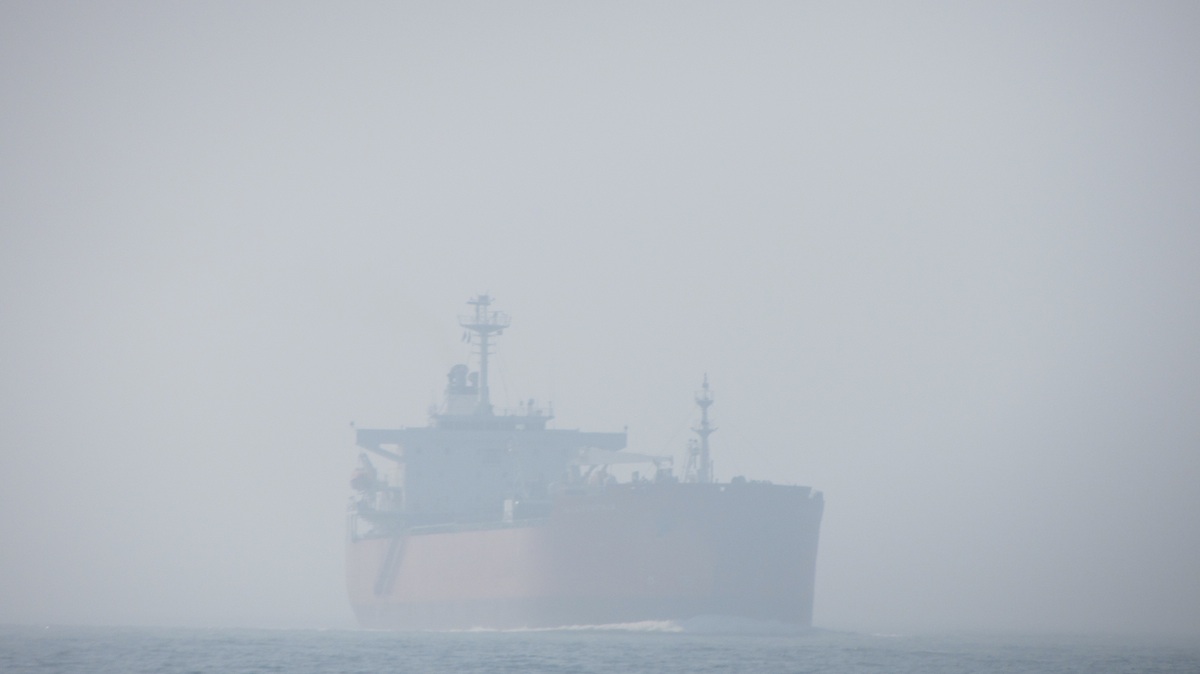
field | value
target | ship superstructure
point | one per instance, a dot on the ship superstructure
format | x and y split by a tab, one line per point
489	519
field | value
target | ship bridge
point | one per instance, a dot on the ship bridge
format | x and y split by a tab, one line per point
469	460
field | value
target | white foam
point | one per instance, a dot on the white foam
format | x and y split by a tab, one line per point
725	624
704	624
642	626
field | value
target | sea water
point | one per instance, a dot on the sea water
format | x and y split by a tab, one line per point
649	647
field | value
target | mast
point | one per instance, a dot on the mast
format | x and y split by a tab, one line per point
704	471
484	324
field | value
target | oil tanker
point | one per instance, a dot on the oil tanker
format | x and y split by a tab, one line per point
493	519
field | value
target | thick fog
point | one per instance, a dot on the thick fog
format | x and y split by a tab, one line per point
940	261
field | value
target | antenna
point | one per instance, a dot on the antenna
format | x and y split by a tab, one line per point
483	324
704	471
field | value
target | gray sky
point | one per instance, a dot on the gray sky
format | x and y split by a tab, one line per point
939	261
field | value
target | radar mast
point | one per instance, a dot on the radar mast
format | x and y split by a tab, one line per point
699	468
482	325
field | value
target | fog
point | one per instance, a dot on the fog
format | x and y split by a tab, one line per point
938	260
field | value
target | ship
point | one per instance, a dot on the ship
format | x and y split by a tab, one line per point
489	518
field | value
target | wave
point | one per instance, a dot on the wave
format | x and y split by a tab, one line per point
704	624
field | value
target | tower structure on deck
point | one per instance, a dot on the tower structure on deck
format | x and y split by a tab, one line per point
699	463
481	325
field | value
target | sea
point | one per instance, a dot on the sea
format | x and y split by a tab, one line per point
666	648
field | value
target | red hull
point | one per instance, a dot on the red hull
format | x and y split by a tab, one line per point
625	554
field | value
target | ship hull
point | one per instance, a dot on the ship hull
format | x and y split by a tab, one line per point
623	553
